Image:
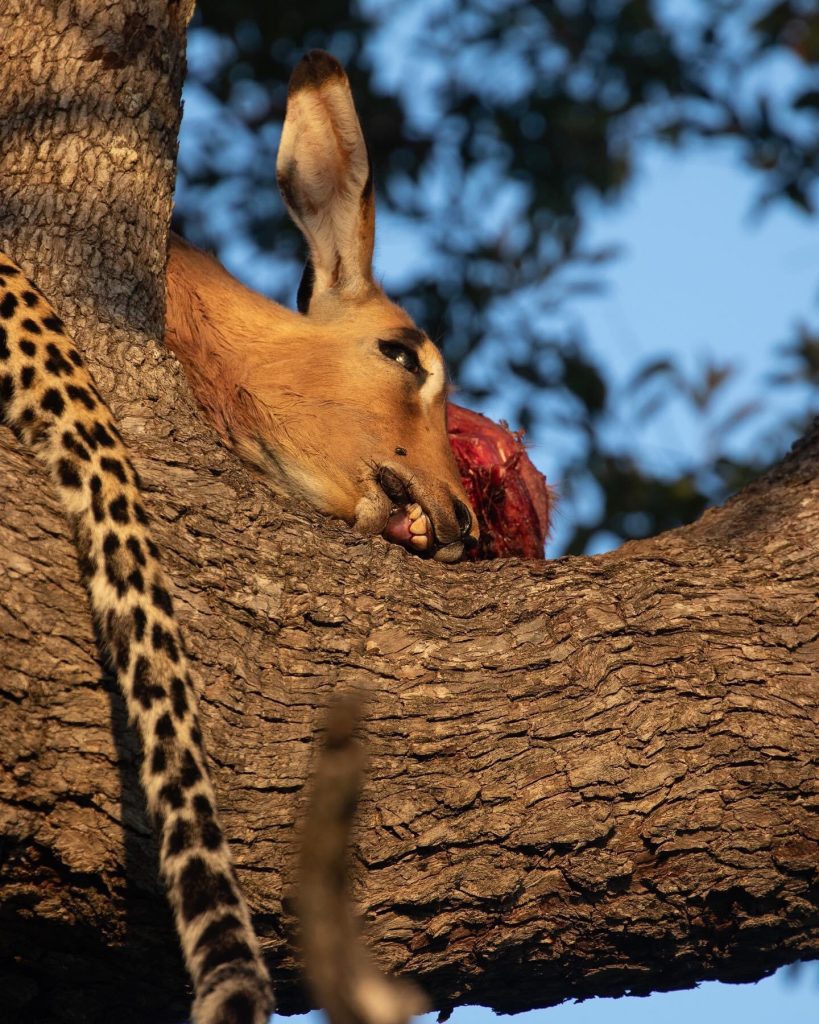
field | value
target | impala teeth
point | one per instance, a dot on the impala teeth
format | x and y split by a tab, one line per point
419	526
414	511
422	542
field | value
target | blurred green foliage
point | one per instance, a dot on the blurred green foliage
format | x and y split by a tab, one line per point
489	132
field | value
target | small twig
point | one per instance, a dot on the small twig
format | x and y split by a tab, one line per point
343	978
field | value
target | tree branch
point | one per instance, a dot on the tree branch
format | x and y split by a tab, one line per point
587	777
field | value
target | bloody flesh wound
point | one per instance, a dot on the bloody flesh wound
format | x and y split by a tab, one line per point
510	497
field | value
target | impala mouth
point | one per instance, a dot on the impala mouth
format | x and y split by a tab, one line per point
408	524
411	527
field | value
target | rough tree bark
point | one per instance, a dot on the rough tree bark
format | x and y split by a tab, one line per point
591	776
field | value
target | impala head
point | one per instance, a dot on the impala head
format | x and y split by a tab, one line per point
344	404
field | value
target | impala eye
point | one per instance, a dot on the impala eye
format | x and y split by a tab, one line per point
400	354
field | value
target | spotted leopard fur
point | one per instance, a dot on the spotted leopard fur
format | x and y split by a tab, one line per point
47	396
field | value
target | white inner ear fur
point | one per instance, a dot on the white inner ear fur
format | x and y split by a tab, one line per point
323	158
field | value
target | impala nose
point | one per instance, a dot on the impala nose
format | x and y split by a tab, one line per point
464	517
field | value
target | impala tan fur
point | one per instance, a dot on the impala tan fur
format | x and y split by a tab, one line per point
343	403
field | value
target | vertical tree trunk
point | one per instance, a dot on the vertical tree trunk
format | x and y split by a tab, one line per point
90	96
89	118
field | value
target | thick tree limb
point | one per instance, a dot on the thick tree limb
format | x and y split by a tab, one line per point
594	776
586	777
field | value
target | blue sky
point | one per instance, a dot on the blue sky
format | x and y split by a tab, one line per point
781	998
699	276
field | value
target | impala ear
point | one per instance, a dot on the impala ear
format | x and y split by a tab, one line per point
325	178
